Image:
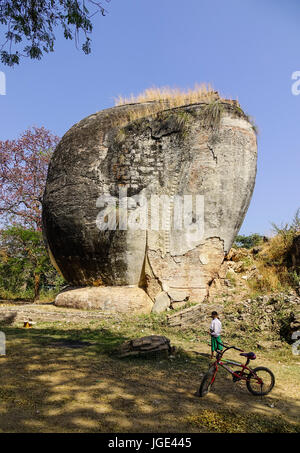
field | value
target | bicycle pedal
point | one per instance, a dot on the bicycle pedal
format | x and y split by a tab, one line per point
236	378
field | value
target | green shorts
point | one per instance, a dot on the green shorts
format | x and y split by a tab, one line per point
215	345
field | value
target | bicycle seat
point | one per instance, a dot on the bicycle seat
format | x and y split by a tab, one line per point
249	355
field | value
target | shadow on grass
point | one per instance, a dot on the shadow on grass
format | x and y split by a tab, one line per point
49	388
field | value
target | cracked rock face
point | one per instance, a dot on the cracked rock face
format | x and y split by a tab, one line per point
174	153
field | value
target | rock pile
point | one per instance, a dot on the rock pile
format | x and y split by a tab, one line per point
266	313
146	345
279	313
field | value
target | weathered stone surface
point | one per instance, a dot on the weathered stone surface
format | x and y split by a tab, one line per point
150	155
108	299
177	305
189	274
178	295
151	283
162	302
196	315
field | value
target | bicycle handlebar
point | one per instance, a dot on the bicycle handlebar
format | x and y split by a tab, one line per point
226	346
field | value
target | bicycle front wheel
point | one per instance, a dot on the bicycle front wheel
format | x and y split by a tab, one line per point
262	382
207	381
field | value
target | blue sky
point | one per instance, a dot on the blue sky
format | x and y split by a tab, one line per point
247	49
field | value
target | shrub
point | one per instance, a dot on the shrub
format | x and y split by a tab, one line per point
274	261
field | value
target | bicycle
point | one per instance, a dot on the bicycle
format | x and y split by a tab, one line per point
252	377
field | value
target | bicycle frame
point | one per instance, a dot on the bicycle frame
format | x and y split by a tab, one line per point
241	375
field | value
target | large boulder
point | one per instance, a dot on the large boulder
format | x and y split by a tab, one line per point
149	149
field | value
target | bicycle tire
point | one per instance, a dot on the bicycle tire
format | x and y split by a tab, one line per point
251	379
205	385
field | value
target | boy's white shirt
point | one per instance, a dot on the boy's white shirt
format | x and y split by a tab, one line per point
216	327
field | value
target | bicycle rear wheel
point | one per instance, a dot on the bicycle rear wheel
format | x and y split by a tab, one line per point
206	383
267	381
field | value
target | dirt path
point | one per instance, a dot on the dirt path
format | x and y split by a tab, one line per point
49	312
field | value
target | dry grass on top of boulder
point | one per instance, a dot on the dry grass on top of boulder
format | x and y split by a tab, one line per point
176	97
158	99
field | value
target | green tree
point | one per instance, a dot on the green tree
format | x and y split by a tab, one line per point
248	241
34	22
24	262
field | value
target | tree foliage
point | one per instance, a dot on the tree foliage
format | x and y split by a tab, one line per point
289	230
35	21
23	170
24	262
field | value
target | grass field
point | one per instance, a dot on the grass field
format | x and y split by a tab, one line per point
49	385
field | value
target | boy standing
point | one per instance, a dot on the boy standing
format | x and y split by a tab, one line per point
215	332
